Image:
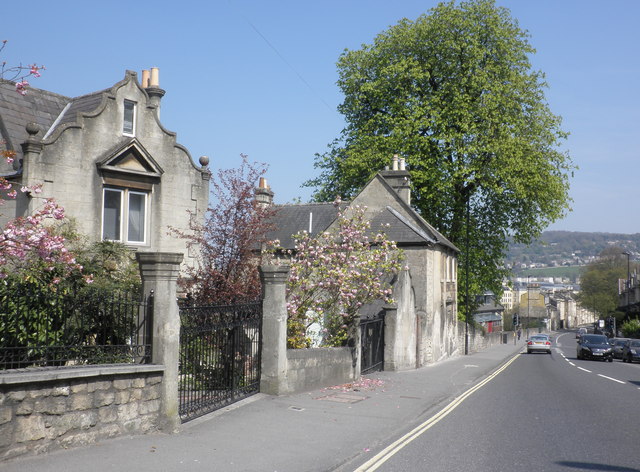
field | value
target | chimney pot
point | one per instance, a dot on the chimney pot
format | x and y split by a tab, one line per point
395	162
145	78
155	77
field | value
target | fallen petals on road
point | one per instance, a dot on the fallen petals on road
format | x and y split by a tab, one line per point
362	384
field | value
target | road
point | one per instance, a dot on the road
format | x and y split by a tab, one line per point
540	413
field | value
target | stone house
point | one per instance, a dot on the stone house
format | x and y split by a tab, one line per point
424	327
489	313
107	159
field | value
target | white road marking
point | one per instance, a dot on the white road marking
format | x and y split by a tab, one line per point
582	368
376	461
610	378
571	363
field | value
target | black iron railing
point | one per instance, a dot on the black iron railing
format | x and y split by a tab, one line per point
372	342
219	356
82	327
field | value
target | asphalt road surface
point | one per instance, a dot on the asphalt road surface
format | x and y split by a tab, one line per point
540	413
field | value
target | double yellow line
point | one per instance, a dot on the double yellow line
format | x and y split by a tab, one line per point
384	455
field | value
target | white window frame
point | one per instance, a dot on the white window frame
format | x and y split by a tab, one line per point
134	109
123	237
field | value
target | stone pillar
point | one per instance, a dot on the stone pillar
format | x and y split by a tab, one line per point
390	337
159	272
273	379
33	172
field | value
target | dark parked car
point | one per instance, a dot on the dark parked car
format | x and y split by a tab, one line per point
617	345
595	346
631	350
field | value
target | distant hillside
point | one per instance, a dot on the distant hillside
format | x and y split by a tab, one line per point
568	248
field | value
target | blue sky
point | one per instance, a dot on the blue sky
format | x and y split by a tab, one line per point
258	77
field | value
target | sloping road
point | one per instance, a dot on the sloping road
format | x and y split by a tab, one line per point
541	413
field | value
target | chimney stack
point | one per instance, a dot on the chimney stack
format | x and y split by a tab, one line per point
151	84
399	178
264	195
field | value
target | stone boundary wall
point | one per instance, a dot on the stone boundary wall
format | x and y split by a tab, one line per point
479	341
308	369
48	409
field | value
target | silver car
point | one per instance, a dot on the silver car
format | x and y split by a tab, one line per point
539	343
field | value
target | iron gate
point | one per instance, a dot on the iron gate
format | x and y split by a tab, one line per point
219	356
372	341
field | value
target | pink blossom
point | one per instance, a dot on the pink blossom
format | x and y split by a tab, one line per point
26	239
21	87
34	70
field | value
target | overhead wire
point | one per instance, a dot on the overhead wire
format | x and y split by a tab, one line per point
282	58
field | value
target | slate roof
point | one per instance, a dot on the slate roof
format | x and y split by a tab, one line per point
292	219
490	306
37	106
399	229
417	223
83	104
482	318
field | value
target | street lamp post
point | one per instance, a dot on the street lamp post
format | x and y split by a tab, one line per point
628	285
528	303
466	297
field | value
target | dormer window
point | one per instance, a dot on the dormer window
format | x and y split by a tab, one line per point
129	122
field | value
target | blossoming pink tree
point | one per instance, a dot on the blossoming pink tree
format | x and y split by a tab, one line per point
29	240
335	274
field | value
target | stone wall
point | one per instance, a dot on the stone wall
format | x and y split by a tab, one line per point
44	410
479	341
319	367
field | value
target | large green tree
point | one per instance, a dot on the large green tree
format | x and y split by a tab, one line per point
454	93
599	282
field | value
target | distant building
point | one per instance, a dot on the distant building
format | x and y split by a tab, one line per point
489	313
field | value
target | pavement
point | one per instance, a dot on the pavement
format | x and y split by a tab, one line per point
330	429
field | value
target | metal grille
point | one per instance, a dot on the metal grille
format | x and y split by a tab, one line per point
372	341
219	356
87	327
